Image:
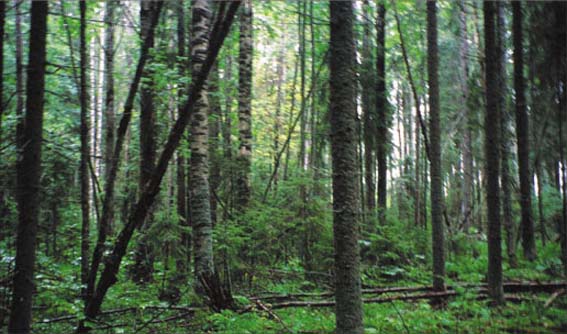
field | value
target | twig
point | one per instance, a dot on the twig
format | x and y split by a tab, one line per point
554	297
272	314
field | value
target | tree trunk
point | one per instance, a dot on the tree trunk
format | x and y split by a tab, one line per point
280	101
492	153
227	134
505	138
214	130
369	119
109	114
343	147
522	134
19	75
382	113
466	144
2	20
28	172
142	271
437	199
244	105
541	216
199	166
185	258
85	150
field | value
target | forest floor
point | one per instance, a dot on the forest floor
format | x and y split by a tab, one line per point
131	309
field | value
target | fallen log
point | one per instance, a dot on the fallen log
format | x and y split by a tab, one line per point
186	309
509	287
380	300
377	300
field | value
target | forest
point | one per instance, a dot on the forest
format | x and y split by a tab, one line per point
298	166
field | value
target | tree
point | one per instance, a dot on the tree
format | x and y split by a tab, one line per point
435	150
468	181
2	20
505	139
85	149
199	203
183	263
143	268
109	114
523	138
28	172
382	111
369	116
492	154
244	105
344	160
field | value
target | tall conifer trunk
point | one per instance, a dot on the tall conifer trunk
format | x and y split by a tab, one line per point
346	217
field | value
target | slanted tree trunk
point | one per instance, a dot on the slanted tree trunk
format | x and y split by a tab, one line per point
144	257
437	198
505	138
244	105
109	186
522	135
492	155
199	202
28	172
147	198
85	149
382	113
280	101
346	217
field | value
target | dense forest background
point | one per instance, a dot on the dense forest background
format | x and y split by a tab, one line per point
283	166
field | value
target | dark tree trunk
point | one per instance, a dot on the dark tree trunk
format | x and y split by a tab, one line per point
144	257
109	114
346	217
85	150
437	199
522	134
492	155
382	113
28	172
244	105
